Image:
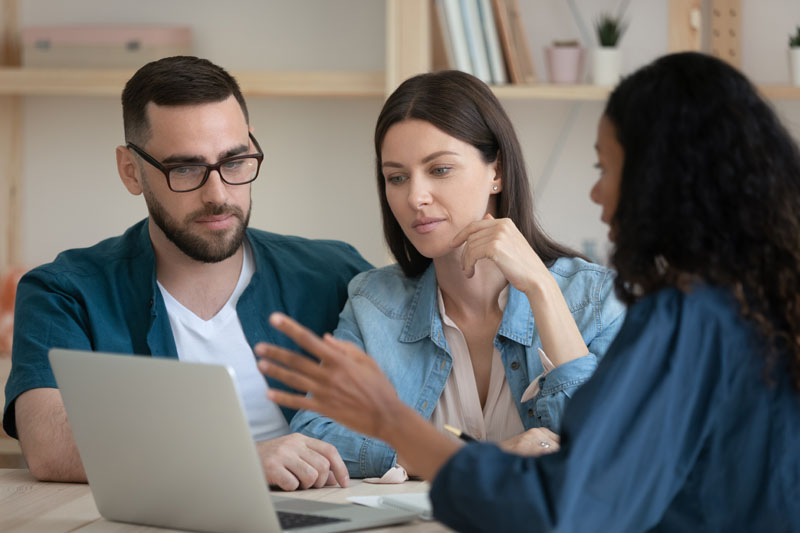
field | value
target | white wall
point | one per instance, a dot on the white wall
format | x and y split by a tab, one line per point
317	178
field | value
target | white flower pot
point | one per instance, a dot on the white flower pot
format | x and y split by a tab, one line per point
794	66
606	65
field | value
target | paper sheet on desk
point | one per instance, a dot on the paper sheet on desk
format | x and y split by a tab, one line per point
396	474
416	502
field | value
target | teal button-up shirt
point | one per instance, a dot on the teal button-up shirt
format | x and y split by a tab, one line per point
105	298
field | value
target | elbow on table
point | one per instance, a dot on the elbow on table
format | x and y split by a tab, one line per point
50	465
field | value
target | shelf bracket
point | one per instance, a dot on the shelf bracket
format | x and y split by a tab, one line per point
408	43
10	146
685	25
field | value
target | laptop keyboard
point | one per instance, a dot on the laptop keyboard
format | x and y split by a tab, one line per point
298	520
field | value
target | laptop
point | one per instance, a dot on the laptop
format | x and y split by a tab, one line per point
166	443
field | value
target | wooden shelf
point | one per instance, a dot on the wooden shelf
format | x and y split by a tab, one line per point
780	92
99	82
550	91
544	91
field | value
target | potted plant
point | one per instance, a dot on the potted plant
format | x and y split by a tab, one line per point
607	58
564	61
794	57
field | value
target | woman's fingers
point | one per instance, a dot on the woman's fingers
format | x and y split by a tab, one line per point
471	228
304	337
296	379
290	399
479	246
289	359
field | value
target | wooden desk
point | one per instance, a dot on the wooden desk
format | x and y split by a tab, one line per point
32	506
10	455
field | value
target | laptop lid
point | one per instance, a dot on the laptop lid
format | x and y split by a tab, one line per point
166	443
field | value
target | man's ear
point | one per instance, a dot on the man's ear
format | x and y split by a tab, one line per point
129	171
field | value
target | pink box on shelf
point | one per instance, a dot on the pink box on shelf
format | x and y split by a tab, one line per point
104	46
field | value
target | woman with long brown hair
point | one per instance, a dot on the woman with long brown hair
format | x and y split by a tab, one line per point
485	323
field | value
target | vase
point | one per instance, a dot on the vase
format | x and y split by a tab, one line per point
564	63
606	65
794	66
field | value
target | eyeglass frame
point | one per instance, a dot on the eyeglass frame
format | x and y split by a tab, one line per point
166	169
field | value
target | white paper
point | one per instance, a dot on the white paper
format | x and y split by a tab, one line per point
416	502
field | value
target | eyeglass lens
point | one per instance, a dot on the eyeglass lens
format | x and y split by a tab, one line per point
235	172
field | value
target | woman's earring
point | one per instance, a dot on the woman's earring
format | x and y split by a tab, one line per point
495	188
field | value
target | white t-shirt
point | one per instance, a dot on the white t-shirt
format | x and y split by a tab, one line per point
221	340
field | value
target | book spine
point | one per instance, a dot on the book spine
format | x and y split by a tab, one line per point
507	40
442	42
492	40
455	25
475	41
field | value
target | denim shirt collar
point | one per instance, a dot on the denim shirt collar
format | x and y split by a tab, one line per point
517	324
424	319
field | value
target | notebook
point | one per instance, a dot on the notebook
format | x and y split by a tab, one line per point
166	443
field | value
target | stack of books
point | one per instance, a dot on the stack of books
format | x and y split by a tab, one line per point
484	38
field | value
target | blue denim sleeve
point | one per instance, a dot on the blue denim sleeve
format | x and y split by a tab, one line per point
561	383
482	488
363	456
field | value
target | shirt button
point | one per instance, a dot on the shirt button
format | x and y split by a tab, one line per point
515	365
530	411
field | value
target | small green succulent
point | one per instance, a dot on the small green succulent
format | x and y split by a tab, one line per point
794	39
609	29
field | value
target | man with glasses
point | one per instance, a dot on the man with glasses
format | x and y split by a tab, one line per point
190	282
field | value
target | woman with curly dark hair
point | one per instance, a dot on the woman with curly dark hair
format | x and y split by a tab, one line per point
692	420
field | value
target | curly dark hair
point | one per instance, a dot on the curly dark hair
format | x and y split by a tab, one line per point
463	107
711	191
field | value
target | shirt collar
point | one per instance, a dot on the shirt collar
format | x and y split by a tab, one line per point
424	319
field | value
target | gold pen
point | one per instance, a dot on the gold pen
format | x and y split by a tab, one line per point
460	434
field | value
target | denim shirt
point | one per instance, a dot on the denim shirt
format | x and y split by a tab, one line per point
683	428
105	298
396	320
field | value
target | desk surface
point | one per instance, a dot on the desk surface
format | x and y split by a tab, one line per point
32	506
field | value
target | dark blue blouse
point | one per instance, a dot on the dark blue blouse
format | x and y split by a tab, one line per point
678	430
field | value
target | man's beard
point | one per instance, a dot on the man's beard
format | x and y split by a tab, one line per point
206	250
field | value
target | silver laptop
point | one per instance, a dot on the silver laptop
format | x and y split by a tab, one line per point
166	443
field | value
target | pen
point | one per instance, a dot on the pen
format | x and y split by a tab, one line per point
460	434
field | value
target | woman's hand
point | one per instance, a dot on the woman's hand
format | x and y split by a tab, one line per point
501	241
346	385
534	442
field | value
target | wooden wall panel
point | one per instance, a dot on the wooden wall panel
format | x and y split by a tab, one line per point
408	43
685	25
726	29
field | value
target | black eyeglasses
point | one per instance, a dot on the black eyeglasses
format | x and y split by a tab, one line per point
185	177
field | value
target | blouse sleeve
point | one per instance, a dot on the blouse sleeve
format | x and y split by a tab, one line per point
653	396
559	385
363	456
